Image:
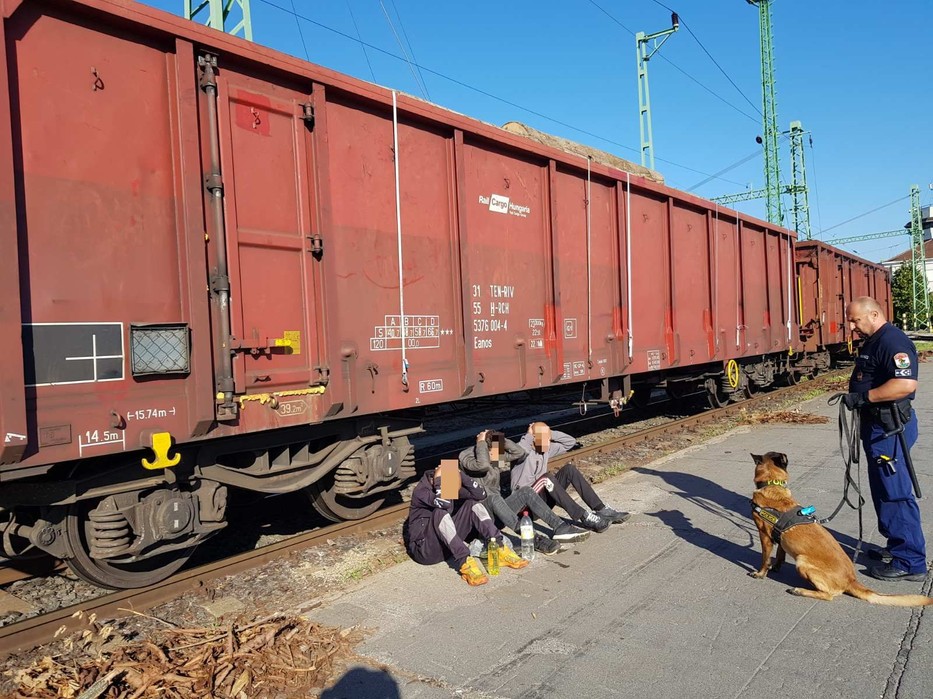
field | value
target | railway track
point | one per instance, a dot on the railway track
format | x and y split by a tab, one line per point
42	629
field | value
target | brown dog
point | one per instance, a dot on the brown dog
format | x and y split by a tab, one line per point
819	557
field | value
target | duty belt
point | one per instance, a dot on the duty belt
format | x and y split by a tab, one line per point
782	521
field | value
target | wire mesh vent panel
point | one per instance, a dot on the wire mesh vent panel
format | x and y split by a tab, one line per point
159	349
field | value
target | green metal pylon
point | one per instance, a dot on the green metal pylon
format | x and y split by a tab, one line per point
920	289
217	14
769	114
798	187
643	55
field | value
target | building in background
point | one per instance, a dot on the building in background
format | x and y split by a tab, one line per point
894	263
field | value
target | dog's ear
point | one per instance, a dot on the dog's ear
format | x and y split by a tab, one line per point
781	460
756	458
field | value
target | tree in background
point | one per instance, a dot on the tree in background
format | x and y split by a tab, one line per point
902	295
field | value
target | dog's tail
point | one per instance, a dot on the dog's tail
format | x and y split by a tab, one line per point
863	593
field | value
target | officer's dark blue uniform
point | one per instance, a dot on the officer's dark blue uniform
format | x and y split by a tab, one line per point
889	354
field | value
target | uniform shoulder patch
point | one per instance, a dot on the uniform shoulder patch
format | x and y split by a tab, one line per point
902	360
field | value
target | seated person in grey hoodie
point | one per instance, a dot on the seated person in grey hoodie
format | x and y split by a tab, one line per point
486	459
541	444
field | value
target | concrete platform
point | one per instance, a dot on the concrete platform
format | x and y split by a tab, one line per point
660	606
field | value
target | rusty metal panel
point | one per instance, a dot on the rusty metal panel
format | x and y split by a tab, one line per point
512	320
368	334
811	316
13	431
756	318
780	289
264	155
651	320
588	247
108	207
727	271
692	284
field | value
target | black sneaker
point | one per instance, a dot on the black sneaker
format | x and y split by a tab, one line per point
890	572
545	545
569	533
594	522
614	516
882	555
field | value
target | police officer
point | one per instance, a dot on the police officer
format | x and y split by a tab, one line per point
881	387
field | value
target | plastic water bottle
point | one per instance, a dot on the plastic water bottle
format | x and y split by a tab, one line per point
527	533
492	553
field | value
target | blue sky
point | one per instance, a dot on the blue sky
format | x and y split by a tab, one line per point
857	74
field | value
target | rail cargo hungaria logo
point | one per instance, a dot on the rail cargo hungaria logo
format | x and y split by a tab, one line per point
503	205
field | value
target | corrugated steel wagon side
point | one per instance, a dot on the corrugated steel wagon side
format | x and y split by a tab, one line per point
237	269
828	280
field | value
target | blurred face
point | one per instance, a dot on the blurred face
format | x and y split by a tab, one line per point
494	451
542	438
862	321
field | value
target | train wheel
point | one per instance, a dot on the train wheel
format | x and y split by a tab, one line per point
718	398
750	389
116	576
339	508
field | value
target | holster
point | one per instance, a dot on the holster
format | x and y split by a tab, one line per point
892	415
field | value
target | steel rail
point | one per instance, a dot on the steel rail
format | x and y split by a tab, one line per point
39	630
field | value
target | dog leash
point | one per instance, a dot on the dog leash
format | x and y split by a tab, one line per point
850	449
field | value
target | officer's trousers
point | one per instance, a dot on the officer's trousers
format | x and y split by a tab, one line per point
892	493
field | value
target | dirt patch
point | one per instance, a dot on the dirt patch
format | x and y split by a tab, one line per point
794	417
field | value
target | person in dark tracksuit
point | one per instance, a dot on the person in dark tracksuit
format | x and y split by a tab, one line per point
436	528
542	444
883	383
493	453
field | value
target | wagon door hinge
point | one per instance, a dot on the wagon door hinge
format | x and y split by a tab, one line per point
214	184
316	245
220	282
206	64
307	115
323	374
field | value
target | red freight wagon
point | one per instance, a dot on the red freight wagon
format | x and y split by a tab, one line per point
828	280
231	268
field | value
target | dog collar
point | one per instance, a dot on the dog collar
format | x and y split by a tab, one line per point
765	484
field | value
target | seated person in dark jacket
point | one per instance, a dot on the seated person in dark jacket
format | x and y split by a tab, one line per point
436	528
486	459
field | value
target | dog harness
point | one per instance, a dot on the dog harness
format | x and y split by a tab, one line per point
765	484
782	521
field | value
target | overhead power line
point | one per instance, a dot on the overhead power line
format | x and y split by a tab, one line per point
715	62
408	59
411	49
486	93
855	218
359	37
678	68
300	33
756	154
